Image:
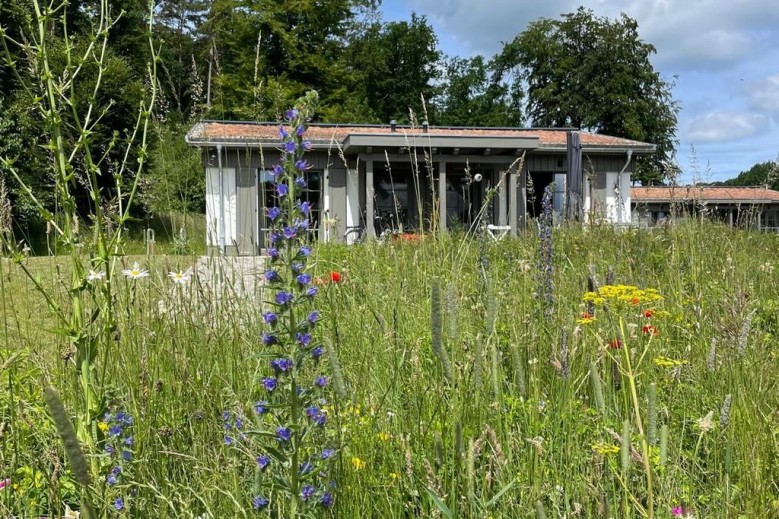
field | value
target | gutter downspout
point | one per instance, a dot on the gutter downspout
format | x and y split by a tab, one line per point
222	245
618	187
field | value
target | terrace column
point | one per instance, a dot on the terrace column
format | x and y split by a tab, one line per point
522	209
352	201
730	217
502	217
442	195
370	230
513	202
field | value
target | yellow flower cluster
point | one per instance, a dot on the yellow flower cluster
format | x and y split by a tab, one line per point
622	294
357	463
605	448
665	362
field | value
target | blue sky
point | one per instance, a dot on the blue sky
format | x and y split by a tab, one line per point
724	56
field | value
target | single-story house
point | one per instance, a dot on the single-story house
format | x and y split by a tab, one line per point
377	177
753	207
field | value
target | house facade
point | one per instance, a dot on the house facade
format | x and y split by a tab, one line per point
372	178
749	207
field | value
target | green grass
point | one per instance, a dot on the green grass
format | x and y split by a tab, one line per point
508	431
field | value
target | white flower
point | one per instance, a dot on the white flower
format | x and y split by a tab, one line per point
135	272
95	276
181	277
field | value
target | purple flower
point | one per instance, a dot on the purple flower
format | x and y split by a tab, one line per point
317	352
290	232
307	492
228	440
302	224
316	415
273	212
297	267
326	500
284	298
278	169
291	114
272	275
115	430
269	339
127	455
281	365
305	251
259	502
300	130
305	467
261	407
276	237
313	317
327	454
290	146
283	132
270	318
263	462
282	190
303	338
284	434
119	503
303	279
321	381
273	253
302	165
305	207
312	291
306	145
128	441
300	182
269	383
111	480
110	449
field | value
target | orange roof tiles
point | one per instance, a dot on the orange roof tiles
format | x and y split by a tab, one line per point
213	131
704	193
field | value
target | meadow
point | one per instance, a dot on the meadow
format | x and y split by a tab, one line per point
468	380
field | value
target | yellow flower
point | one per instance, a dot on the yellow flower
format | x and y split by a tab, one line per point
383	436
605	448
622	294
102	426
665	362
357	463
394	476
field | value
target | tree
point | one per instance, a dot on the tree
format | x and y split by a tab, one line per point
595	73
471	98
762	174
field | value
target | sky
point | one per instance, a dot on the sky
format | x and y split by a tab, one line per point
723	56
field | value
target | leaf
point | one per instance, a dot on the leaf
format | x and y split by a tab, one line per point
497	496
440	504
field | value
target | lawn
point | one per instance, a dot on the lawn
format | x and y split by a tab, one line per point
469	386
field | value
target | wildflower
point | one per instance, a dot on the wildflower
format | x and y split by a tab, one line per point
291	114
119	503
273	253
383	436
313	317
102	426
283	434
290	232
278	169
605	448
335	277
635	300
321	381
305	467
305	251
303	339
648	329
302	165
95	276
357	463
284	298
263	462
677	511
270	318
300	130
228	440
261	407
615	344
300	182
281	365
269	383
181	277
303	279
327	454
282	190
305	207
127	455
273	213
269	339
307	492
259	502
585	318
290	146
311	291
135	272
4	483
326	500
110	480
665	362
705	423
283	132
648	313
307	145
317	352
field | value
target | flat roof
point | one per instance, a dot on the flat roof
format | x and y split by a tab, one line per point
708	194
357	137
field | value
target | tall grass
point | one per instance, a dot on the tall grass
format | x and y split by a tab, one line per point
504	435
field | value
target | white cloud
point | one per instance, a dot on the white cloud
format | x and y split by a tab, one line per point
726	126
764	94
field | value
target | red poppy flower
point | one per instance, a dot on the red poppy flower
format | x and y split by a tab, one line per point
635	301
335	277
615	344
647	313
585	315
648	329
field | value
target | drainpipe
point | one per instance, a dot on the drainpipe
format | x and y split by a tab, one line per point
222	246
618	188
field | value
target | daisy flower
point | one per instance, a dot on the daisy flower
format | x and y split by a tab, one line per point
182	277
95	276
136	272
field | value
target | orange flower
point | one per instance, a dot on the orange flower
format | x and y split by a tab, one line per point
647	313
648	329
635	301
335	277
615	344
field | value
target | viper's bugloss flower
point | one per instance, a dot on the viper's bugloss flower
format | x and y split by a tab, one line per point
297	267
127	455
306	145
259	502
327	454
307	492
313	317
228	440
263	462
261	407
273	213
290	146
268	339
317	352
291	114
283	434
303	339
304	207
270	318
300	130
284	298
278	169
305	467
301	165
272	276
272	252
326	500
312	291
302	225
110	480
276	237
115	430
305	251
300	182
119	503
321	381
283	132
290	232
281	365
269	383
282	190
